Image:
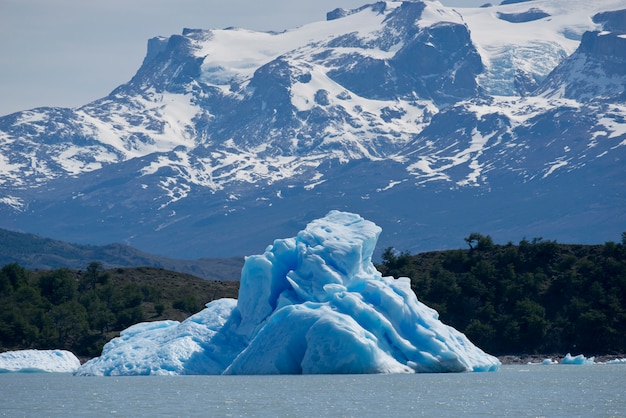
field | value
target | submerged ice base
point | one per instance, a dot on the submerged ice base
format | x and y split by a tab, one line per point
310	304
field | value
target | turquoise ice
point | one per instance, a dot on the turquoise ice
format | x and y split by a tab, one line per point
310	304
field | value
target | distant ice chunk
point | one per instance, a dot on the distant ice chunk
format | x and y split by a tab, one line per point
38	361
579	359
310	304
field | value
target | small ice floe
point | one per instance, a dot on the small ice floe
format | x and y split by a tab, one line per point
38	361
579	359
616	361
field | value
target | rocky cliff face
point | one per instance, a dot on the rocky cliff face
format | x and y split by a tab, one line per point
597	70
430	121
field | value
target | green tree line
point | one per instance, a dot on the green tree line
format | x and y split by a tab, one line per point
531	298
534	297
81	310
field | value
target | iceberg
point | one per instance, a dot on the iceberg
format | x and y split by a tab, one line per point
579	359
38	361
310	304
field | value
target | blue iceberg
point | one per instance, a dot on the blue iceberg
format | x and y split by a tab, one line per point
579	359
38	361
310	304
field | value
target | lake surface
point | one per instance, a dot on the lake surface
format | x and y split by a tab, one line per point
529	390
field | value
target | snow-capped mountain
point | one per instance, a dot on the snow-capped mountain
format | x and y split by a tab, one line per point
434	122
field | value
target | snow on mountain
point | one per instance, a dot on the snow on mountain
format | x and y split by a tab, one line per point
600	57
499	100
525	41
169	103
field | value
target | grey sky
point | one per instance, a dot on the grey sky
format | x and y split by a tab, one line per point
70	52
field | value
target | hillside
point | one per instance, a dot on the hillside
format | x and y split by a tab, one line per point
534	297
80	310
37	253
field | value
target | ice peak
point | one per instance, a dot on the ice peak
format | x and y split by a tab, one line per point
310	304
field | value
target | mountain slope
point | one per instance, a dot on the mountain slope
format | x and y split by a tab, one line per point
436	122
37	253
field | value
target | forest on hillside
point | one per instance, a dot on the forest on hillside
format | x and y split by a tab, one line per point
80	310
537	297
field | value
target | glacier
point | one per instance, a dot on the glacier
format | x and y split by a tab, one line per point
310	304
38	361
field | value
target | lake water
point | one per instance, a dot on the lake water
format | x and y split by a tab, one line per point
530	390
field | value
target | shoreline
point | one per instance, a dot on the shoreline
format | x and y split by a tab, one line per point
506	359
538	358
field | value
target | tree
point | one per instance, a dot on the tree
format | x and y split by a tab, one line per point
532	324
58	286
94	275
70	321
159	308
479	242
12	276
396	264
482	334
187	304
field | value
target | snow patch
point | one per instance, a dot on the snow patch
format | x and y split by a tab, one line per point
14	202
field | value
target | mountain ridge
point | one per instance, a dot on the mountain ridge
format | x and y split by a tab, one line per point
38	253
411	101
